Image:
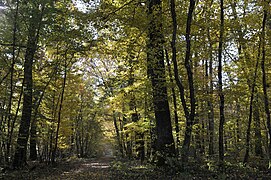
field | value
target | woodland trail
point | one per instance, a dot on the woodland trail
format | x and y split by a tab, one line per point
94	168
109	168
103	168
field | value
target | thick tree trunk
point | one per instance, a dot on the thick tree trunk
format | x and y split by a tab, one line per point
33	35
21	148
20	155
156	72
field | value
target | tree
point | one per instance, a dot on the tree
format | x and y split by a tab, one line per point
35	23
190	116
156	72
220	86
189	119
264	84
174	98
60	108
11	125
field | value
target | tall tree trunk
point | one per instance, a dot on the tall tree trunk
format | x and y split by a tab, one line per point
220	87
15	117
266	98
243	49
187	63
257	127
120	147
33	130
11	81
211	126
174	98
139	142
55	105
60	108
156	72
33	34
252	86
238	132
188	115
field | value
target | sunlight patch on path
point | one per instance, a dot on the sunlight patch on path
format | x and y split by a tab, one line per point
96	165
88	166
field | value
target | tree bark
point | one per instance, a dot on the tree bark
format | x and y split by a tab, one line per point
120	147
60	109
220	87
139	142
188	115
33	130
10	127
21	148
156	72
264	84
210	90
187	63
238	132
252	86
174	98
257	127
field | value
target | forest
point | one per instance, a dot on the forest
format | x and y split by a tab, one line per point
135	89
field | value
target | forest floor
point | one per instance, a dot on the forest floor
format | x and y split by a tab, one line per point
107	168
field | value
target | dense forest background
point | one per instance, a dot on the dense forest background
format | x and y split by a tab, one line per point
170	82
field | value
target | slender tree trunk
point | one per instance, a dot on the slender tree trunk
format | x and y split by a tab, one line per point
266	98
242	49
211	123
82	134
253	85
60	109
55	105
176	119
33	131
139	143
190	120
118	134
122	136
188	115
220	87
11	81
238	133
257	127
15	117
156	72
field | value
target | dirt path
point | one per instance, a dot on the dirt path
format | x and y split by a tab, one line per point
86	169
107	168
95	168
